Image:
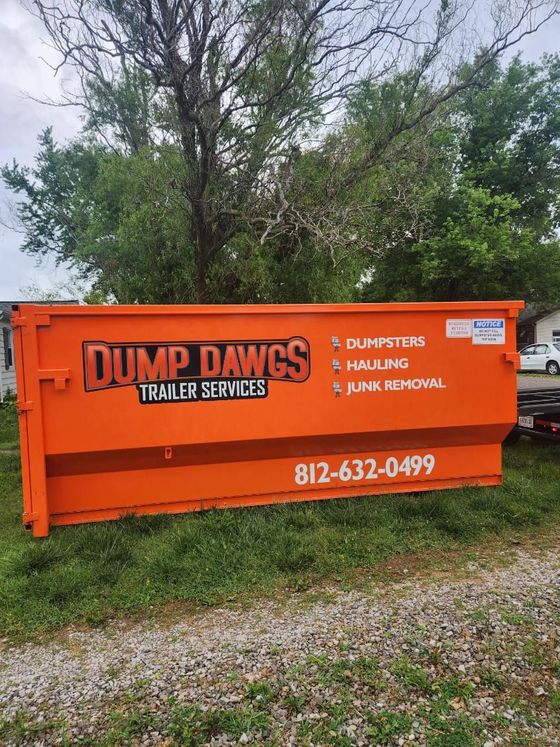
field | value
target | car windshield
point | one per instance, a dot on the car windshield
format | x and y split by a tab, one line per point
557	345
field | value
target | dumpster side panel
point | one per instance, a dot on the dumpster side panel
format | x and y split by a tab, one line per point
168	409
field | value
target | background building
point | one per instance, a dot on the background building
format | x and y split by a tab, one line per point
538	326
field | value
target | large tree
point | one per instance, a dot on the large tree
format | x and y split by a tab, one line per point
242	86
510	142
490	204
115	218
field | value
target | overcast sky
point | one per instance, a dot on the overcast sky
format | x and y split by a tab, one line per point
22	72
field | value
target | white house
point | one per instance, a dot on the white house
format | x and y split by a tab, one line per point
7	357
7	362
538	327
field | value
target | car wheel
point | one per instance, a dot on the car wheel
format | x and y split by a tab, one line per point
553	368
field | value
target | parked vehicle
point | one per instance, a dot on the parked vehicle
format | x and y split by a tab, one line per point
544	356
538	415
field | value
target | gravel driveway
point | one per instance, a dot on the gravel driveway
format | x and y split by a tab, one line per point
436	661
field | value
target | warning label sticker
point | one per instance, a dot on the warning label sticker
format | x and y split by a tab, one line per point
458	328
489	332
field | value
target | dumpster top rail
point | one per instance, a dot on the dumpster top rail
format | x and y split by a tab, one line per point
511	308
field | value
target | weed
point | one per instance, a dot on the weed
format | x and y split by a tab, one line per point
236	721
295	556
384	727
362	671
515	618
479	615
294	703
9	437
187	726
126	725
323	734
190	725
536	653
459	731
261	692
21	727
501	720
412	676
492	678
33	559
452	688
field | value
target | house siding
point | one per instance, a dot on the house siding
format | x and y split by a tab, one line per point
7	377
546	326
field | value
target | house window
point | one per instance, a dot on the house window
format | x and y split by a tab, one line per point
556	335
8	352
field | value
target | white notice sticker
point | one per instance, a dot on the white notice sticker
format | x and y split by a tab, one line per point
489	331
458	328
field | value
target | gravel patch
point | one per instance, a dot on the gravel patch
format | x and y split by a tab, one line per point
427	662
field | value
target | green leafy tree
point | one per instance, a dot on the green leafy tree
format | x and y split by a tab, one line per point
477	251
115	218
511	139
57	194
489	199
123	112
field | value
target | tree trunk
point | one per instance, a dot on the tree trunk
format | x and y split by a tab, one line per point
201	288
202	241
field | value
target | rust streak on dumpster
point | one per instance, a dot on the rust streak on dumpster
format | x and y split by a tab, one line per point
150	409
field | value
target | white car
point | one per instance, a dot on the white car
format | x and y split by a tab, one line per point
544	356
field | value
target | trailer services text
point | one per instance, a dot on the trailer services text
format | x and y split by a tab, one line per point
193	371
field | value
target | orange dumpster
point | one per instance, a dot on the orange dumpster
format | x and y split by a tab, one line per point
150	409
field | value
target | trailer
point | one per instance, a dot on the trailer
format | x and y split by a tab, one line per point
538	415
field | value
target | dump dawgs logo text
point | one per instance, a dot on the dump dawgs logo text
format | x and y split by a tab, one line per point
194	371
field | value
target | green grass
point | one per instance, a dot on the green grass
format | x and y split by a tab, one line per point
90	573
545	375
386	726
9	438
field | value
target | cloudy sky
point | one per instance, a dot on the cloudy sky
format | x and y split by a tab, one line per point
22	74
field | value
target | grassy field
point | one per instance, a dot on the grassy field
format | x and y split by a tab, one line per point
9	438
539	374
91	573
